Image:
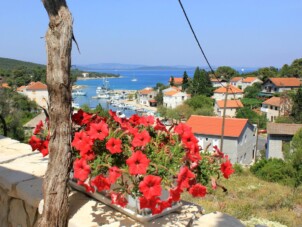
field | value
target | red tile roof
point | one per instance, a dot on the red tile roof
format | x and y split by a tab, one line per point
286	82
36	86
249	79
230	103
236	79
232	89
273	101
146	91
5	85
171	93
177	80
22	88
212	125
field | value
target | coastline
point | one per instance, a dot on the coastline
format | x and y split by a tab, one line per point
93	78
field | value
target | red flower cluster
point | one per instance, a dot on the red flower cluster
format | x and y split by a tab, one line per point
139	156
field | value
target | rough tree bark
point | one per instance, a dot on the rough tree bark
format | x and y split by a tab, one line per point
58	45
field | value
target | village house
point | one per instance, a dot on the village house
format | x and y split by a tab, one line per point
177	82
218	82
146	97
35	91
236	81
275	107
239	136
278	134
231	107
274	85
233	93
249	81
174	97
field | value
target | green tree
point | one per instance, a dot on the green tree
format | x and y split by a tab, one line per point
185	81
294	70
296	112
200	101
266	72
296	157
201	83
252	116
226	72
172	81
252	91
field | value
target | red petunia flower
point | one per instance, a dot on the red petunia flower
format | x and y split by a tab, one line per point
35	143
114	145
38	128
146	120
141	139
135	119
44	148
198	190
181	128
82	142
189	139
150	186
98	131
175	194
88	188
184	176
101	183
81	117
217	152
118	198
81	169
160	126
226	168
88	155
193	153
114	174
138	163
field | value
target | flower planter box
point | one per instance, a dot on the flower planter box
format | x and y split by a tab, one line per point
132	209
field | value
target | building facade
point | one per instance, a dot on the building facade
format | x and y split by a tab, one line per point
275	85
233	93
146	96
231	107
239	136
174	98
249	81
36	91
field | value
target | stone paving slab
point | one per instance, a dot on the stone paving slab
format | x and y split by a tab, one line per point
22	169
88	212
30	191
217	219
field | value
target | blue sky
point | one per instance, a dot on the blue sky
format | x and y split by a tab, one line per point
249	33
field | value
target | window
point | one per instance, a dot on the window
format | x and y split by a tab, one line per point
150	96
276	108
207	139
275	89
271	107
183	97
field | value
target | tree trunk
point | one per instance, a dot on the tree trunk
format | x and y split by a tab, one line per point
58	45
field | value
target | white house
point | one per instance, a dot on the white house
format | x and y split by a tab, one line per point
36	91
174	98
275	107
249	81
218	82
231	107
239	136
273	85
236	81
233	93
146	96
277	135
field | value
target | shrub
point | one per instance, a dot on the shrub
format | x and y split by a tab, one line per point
274	170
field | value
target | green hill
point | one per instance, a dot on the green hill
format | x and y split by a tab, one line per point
11	64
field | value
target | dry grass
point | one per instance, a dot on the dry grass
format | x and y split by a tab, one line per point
251	198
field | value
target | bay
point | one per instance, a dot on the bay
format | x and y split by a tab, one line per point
144	78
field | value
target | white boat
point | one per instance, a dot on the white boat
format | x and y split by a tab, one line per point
103	96
134	79
120	114
79	93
